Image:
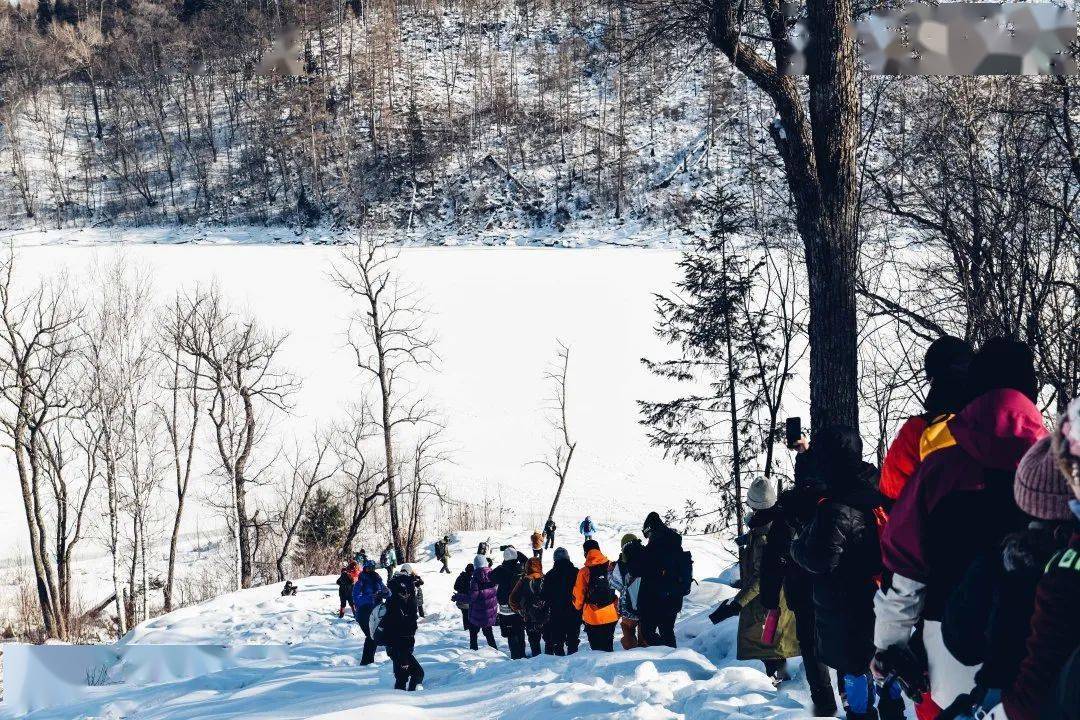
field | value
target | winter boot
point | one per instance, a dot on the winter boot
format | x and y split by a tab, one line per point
341	613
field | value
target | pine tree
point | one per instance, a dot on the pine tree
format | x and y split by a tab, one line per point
707	320
323	526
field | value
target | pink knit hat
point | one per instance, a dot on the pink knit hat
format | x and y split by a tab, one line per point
1041	489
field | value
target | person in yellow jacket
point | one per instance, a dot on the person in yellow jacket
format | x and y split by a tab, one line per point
595	598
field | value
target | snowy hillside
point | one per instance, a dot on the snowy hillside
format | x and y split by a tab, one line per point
308	665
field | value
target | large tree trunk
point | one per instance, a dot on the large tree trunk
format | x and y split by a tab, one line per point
818	149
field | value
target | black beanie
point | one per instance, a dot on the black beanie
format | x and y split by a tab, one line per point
947	357
1004	363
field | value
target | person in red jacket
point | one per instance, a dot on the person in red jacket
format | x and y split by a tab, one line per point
946	363
958	505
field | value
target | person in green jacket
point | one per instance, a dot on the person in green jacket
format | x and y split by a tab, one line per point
761	495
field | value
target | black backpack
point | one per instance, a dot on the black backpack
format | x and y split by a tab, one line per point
534	605
678	575
598	592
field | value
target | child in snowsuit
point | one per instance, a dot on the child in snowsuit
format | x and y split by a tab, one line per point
626	581
839	548
368	591
562	634
345	582
483	600
761	496
527	600
596	600
399	631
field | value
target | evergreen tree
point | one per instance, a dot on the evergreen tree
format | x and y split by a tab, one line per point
710	320
323	525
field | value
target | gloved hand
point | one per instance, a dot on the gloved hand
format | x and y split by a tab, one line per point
970	705
727	609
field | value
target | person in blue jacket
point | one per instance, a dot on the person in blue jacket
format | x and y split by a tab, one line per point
587	528
369	591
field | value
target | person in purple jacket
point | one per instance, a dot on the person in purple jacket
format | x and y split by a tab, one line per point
483	603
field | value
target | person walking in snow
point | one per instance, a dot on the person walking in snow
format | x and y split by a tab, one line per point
361	558
345	583
747	604
946	365
368	591
562	634
839	548
537	540
398	629
626	581
587	528
989	619
986	618
549	534
388	559
442	554
511	625
665	582
527	600
958	505
596	600
460	596
418	584
483	599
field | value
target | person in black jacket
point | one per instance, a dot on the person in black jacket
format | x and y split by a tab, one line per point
549	534
562	633
461	590
506	576
399	631
659	600
780	572
839	548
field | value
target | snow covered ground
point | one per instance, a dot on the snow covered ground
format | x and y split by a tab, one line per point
175	667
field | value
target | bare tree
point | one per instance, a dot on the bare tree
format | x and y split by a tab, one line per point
305	473
388	339
363	483
179	413
38	347
238	369
562	451
419	483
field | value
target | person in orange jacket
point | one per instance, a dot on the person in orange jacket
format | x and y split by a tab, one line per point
537	544
595	598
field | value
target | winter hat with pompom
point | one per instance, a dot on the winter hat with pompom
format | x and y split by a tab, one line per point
479	562
1041	489
761	494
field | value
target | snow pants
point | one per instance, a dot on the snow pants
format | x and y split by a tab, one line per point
513	629
601	637
817	674
408	673
549	540
445	560
631	634
474	637
562	635
658	626
367	656
534	634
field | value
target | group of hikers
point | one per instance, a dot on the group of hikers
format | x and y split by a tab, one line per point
952	575
642	591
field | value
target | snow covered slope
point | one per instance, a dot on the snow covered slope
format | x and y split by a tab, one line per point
164	670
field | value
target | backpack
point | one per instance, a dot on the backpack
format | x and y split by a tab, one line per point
678	575
598	592
375	624
534	605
